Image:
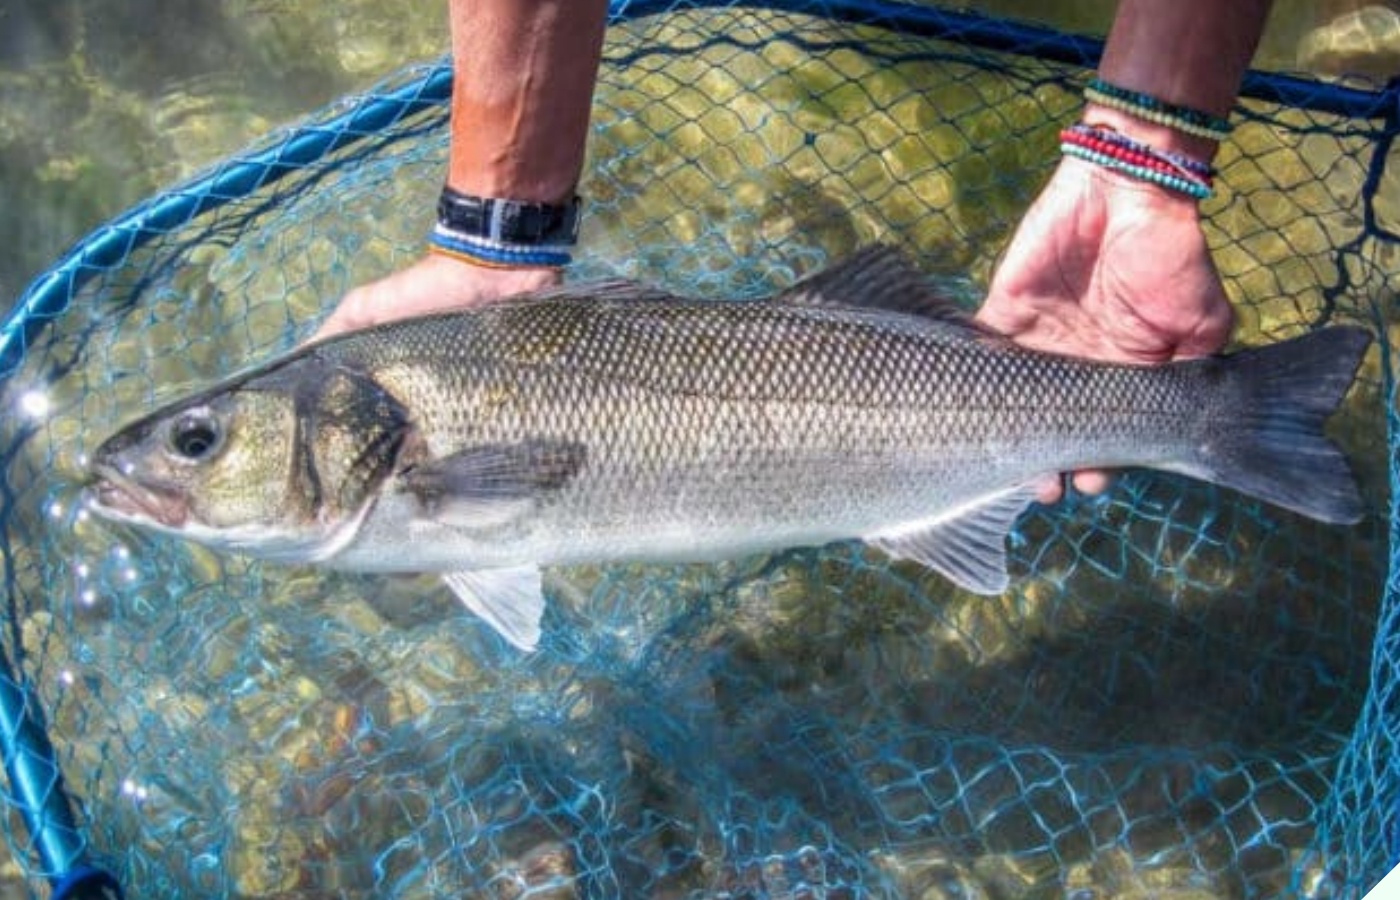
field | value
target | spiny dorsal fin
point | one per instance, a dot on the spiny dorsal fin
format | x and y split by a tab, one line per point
877	277
621	290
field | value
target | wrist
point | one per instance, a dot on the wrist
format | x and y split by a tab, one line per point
507	151
459	280
1125	197
513	180
1163	137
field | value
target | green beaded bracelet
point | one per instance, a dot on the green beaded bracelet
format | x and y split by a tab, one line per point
1149	108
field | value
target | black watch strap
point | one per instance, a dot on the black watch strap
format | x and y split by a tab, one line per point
509	221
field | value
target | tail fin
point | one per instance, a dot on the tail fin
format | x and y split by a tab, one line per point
1270	443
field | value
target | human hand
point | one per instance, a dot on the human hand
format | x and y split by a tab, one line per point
435	283
1108	267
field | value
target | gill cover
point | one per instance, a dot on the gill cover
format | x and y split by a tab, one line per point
346	437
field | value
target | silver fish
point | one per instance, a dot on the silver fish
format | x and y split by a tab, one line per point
608	422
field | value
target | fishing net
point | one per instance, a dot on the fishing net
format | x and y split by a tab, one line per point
1184	694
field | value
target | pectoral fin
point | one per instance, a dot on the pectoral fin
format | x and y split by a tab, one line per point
491	484
510	600
968	547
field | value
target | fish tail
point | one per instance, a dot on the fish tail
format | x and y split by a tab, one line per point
1267	439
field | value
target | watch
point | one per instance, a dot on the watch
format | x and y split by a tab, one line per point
509	221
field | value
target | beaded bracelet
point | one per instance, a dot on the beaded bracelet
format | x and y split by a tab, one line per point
1105	142
1107	148
495	254
1094	135
1149	108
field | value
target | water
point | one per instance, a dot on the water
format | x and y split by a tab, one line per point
103	104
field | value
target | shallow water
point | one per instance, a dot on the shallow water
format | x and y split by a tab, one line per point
101	104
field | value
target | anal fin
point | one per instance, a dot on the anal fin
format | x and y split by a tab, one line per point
968	546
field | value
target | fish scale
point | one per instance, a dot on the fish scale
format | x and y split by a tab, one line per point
905	416
609	422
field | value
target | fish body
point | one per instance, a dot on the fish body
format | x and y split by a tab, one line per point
612	422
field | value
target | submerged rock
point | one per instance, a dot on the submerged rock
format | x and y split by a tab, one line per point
1362	42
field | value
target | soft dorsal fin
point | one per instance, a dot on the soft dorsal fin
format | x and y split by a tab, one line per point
877	277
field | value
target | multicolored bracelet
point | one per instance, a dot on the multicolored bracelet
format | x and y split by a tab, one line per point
495	254
1103	146
1150	109
1105	138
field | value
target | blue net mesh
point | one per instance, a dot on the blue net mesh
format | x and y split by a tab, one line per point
1186	693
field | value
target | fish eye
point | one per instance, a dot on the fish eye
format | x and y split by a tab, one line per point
195	436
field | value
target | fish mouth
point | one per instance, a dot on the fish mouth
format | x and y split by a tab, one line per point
117	496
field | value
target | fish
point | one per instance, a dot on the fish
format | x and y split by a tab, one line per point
611	421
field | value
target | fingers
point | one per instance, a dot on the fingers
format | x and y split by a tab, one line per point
347	315
1093	481
433	284
1051	490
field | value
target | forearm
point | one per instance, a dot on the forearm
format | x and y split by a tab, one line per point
1191	53
524	72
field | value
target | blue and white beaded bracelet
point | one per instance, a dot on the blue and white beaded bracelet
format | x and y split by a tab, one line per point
496	254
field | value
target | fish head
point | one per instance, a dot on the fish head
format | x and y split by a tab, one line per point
282	466
217	469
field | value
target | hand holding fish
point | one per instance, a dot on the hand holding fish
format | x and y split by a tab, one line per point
523	78
1106	267
431	285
